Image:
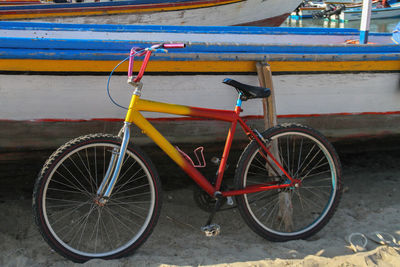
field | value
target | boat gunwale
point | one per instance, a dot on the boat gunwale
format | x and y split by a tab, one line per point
246	30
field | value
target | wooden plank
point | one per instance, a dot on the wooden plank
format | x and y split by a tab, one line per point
269	106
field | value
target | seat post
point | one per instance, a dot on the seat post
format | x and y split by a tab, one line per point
239	101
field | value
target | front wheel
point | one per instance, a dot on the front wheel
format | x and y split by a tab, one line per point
69	214
295	212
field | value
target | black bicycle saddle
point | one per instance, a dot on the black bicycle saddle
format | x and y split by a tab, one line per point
248	91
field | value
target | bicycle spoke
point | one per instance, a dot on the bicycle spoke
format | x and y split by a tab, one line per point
114	215
293	156
92	181
103	224
135	195
299	158
309	201
131	189
315	189
73	176
78	225
304	160
83	175
129	211
264	207
65	191
275	207
317	174
72	184
118	203
314	168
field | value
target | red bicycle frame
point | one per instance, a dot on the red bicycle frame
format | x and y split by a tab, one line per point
134	116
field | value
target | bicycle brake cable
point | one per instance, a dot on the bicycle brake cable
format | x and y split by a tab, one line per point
109	79
127	58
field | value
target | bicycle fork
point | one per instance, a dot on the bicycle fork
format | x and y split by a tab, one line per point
114	167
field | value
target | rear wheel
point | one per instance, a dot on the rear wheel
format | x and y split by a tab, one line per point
290	213
69	214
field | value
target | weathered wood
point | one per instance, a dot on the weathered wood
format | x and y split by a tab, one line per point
285	213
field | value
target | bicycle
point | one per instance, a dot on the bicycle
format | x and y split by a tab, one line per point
99	196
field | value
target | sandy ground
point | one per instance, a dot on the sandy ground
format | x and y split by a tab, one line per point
370	203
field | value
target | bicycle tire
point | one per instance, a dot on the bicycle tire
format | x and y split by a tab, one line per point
67	214
297	212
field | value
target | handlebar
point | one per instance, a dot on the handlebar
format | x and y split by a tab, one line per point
147	52
174	45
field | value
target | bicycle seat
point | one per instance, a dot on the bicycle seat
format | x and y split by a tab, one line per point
248	91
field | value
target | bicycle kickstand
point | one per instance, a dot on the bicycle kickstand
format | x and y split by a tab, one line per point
213	229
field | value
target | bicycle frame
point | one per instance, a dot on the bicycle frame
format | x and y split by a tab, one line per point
134	116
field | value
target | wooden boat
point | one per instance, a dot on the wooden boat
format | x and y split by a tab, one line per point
53	79
376	13
158	12
19	2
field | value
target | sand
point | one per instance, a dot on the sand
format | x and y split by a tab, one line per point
370	203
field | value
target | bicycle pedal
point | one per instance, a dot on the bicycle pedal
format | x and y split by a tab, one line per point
211	230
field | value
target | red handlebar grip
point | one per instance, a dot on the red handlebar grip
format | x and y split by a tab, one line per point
174	45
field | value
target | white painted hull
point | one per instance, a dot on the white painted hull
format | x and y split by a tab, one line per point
45	111
257	12
84	97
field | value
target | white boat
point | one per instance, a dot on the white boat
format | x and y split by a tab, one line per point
53	79
156	12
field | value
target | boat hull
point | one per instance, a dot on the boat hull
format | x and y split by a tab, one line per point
216	13
53	80
342	106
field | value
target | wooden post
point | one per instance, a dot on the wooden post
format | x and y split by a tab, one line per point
285	213
269	107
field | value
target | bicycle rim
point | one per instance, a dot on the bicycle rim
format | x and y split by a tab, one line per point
81	225
294	212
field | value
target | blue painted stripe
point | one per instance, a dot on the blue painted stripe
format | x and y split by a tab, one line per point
364	37
7	25
51	54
